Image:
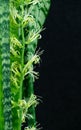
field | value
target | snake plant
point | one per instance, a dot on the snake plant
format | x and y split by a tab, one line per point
21	22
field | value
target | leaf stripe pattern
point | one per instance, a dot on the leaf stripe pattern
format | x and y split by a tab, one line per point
1	93
40	11
5	55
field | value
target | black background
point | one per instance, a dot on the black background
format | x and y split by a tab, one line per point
60	69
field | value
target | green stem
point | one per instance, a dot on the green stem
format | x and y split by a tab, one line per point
32	121
22	65
22	59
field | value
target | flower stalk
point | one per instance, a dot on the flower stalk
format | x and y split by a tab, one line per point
20	28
